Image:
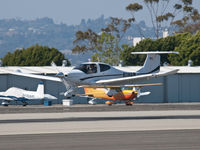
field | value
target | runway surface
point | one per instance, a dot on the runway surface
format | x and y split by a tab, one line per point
98	108
145	130
132	140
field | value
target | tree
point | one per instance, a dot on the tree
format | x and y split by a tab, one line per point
129	59
105	51
85	41
186	44
160	14
106	45
34	56
189	49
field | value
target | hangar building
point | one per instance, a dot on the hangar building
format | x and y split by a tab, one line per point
181	87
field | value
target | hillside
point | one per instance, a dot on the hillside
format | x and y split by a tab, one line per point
16	33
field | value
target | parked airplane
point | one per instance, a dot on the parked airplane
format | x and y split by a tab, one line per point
115	94
97	73
17	94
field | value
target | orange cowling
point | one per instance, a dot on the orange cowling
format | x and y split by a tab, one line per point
109	102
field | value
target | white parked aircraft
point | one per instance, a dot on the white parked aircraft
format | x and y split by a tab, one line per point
17	94
97	73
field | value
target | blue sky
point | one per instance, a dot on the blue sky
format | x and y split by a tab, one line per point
68	11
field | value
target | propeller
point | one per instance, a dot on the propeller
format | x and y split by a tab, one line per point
68	85
60	73
92	101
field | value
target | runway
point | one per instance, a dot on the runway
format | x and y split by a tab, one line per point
101	130
138	140
98	108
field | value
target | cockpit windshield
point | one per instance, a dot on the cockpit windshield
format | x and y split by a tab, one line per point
87	68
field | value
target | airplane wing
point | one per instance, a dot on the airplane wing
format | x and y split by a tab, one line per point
116	86
128	80
42	77
49	97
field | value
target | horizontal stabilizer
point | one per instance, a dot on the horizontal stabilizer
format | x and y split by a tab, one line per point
142	93
168	72
49	97
156	52
145	93
6	98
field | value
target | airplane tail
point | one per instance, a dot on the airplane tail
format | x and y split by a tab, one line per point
152	62
40	90
138	89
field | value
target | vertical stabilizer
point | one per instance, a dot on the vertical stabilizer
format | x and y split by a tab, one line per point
40	90
152	62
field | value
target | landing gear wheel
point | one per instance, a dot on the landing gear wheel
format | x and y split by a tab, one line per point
109	103
25	103
128	103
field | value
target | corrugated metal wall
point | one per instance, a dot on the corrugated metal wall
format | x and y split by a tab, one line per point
175	88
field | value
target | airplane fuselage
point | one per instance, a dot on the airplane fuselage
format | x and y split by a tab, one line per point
18	94
102	94
83	75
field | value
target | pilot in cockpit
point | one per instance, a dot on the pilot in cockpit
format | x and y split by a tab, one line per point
92	68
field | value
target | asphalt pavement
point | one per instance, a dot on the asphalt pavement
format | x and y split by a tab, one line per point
131	140
98	108
100	127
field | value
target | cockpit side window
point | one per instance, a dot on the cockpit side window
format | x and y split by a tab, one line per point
104	67
81	67
87	68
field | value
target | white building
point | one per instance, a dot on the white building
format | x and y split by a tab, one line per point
136	40
165	33
181	87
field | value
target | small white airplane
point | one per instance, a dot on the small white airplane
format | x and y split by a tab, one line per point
17	94
101	74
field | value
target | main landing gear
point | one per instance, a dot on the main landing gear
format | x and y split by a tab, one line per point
24	103
129	103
